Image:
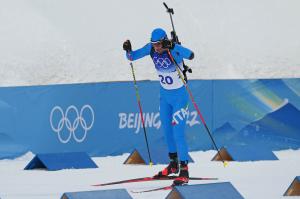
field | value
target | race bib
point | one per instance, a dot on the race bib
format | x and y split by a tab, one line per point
166	69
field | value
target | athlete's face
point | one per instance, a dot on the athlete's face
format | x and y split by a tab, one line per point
158	47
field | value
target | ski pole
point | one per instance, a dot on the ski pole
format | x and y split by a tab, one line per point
196	107
141	112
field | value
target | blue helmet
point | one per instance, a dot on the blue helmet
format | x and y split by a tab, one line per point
158	34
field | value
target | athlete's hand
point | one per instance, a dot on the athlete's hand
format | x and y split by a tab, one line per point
167	44
127	46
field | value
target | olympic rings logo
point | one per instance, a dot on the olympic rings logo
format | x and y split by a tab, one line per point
71	125
162	62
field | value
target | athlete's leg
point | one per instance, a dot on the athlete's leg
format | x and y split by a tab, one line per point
166	120
180	113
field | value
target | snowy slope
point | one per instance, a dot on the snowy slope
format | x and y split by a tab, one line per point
254	180
68	41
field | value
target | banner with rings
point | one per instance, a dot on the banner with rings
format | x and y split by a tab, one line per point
104	119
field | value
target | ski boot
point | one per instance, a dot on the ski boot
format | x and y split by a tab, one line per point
172	168
183	177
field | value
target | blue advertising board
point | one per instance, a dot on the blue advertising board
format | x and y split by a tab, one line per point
103	118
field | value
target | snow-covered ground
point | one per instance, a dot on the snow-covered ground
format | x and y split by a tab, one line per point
254	180
70	41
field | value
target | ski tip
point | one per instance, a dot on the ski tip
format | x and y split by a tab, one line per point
96	185
156	189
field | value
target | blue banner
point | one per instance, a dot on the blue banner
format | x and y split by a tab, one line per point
103	118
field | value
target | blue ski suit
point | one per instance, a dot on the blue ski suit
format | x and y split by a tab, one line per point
173	95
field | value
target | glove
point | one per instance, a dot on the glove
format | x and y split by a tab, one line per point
127	46
168	44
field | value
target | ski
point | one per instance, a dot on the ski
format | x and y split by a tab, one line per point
156	189
145	179
160	188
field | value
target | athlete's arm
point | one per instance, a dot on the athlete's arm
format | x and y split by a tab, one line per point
184	52
139	53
